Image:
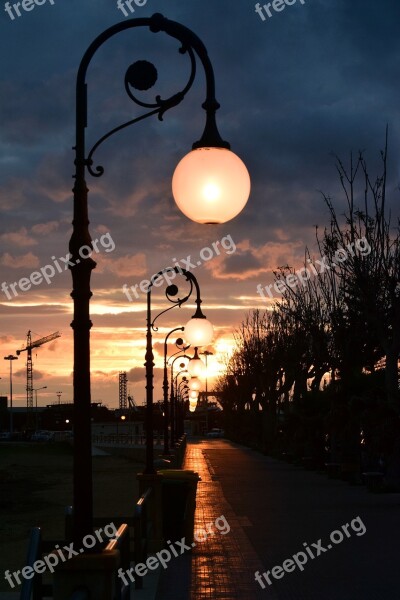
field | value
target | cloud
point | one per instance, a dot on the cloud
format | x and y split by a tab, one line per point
18	238
17	262
130	265
22	373
6	339
45	228
53	346
251	260
137	374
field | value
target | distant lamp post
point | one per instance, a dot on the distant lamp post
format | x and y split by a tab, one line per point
166	413
198	330
36	390
201	177
172	396
183	386
193	395
194	384
196	366
182	396
172	295
10	358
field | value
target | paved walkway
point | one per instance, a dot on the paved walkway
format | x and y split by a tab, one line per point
222	567
273	509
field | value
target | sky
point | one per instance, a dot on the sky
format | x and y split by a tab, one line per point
316	79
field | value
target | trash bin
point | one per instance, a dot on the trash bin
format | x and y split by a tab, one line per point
179	487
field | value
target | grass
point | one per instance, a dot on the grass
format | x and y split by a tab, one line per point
36	486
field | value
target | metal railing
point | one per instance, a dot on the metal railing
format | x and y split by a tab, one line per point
121	543
142	529
32	588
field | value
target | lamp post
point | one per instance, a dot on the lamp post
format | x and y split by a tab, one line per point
36	390
211	177
165	387
184	381
177	385
183	390
10	358
183	386
172	396
198	326
196	366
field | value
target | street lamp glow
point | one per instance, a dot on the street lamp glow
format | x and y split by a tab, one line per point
199	332
195	365
194	384
211	185
193	395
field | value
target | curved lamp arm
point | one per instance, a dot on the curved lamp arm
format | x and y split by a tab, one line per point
143	76
172	291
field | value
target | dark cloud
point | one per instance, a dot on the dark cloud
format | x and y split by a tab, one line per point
315	79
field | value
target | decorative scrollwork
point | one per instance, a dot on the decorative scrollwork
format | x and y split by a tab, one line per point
171	293
142	75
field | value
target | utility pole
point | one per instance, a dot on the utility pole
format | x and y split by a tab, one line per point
10	358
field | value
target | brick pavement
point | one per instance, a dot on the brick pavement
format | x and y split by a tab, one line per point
222	567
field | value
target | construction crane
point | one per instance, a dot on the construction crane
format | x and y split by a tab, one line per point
29	370
132	404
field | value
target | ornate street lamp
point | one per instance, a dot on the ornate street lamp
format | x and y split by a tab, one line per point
205	197
172	396
195	384
192	405
171	293
196	366
182	397
179	342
